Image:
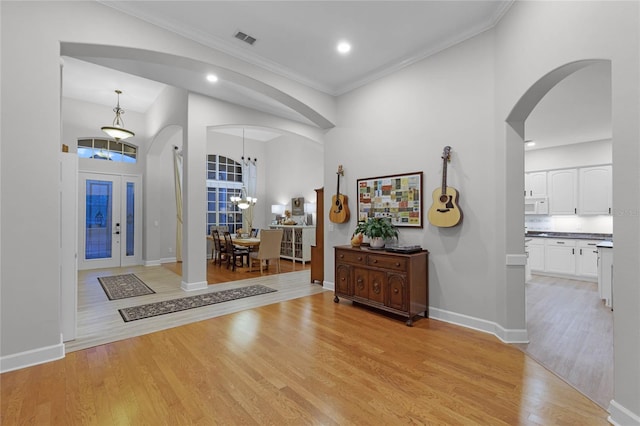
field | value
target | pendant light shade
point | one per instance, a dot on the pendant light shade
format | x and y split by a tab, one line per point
117	130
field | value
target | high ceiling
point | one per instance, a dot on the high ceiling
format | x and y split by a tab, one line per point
297	39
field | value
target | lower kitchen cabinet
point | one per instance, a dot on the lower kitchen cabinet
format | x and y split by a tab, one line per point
535	254
560	256
393	282
605	275
563	257
587	258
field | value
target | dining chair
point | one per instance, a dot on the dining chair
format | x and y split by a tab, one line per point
219	249
269	249
234	253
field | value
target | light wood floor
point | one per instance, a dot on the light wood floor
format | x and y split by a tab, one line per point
99	321
302	361
571	333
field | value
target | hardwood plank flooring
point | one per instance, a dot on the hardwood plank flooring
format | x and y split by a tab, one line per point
306	360
571	333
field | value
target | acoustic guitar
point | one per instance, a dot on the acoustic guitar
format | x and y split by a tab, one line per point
339	212
444	211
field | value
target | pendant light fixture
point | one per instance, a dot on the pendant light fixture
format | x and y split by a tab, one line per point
117	130
244	201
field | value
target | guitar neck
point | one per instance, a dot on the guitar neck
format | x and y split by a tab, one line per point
444	176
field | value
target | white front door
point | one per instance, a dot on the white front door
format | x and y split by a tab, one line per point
110	221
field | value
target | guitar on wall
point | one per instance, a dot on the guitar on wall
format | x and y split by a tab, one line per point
444	211
339	212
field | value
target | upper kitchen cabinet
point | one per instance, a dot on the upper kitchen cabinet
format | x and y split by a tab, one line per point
535	184
563	191
595	189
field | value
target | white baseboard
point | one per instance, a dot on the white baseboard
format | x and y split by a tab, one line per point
194	286
168	260
620	416
32	357
506	335
152	263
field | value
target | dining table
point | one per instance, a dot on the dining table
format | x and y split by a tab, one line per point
250	242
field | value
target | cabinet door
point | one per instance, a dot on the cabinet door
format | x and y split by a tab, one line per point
535	184
397	292
535	254
343	280
563	191
361	283
560	257
587	259
595	188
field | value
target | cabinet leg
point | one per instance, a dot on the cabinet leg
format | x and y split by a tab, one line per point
335	299
410	322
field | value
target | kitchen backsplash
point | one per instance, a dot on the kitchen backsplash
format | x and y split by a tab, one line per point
589	224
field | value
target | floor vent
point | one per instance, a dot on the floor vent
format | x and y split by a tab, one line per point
244	37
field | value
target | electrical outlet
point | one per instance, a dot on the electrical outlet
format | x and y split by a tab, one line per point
170	249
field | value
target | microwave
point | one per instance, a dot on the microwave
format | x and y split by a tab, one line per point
536	206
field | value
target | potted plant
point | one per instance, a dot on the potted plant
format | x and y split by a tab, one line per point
377	229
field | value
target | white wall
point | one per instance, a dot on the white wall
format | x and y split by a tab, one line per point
166	120
460	97
533	39
295	168
593	153
31	78
400	124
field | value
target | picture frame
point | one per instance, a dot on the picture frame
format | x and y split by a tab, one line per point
398	197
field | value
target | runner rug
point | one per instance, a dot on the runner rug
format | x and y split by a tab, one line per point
184	303
123	286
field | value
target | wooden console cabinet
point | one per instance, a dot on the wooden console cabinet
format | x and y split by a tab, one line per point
393	282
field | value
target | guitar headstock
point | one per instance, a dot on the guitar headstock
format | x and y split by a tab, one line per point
340	170
446	153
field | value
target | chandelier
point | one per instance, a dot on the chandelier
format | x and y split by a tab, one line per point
244	201
117	130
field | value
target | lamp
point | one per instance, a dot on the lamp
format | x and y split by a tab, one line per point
244	201
117	130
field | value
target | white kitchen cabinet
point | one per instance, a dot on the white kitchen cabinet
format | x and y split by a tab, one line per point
562	189
595	187
296	242
560	256
535	184
587	258
605	275
535	254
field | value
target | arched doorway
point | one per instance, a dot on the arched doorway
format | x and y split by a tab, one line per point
515	142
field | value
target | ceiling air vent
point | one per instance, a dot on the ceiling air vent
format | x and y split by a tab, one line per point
244	37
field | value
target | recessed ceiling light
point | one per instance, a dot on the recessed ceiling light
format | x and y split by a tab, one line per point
212	78
344	47
531	143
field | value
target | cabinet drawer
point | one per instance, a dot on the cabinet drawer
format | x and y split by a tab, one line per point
561	242
351	257
387	262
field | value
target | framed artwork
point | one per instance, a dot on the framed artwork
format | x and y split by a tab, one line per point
297	206
398	197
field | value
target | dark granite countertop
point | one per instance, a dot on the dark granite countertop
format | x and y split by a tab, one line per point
569	235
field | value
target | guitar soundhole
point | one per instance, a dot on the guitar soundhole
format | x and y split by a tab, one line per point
444	198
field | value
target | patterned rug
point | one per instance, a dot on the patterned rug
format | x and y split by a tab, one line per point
184	303
123	286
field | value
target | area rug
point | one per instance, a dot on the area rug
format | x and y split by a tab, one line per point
175	305
124	286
